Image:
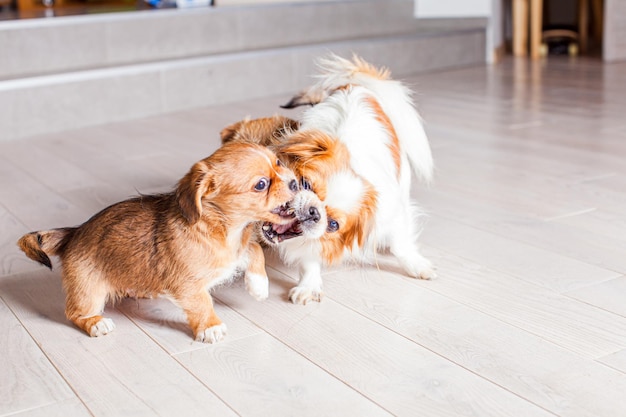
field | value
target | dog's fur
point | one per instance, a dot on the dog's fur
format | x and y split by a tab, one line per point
177	245
355	148
266	131
310	212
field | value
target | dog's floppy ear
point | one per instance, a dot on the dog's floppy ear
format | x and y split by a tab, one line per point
305	146
195	185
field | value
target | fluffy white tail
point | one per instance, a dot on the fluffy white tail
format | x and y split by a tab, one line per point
393	96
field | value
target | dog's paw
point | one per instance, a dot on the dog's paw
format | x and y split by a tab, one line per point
212	335
257	286
422	269
302	295
102	327
427	273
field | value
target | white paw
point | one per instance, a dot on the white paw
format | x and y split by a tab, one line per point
420	268
302	295
257	286
212	335
427	273
102	327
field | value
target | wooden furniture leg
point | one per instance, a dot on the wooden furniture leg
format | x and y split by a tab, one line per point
583	24
598	19
536	24
520	27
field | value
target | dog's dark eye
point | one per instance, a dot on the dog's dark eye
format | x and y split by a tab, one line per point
306	185
279	163
262	184
333	226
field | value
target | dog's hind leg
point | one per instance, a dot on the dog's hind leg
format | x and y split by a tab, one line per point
85	300
403	245
413	262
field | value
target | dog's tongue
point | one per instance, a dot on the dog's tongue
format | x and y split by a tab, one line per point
281	228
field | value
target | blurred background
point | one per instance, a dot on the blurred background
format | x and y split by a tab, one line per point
66	64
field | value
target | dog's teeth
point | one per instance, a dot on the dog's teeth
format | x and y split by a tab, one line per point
266	227
291	210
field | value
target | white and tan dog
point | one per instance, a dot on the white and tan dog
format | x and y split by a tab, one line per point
355	149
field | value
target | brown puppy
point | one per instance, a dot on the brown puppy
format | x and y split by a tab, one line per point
176	245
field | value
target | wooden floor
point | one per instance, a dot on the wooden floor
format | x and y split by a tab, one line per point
527	227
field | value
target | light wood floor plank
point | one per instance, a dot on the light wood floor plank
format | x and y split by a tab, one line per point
167	324
605	222
529	158
583	329
124	373
536	187
273	380
608	295
28	380
104	163
512	358
464	234
28	199
525	225
67	408
589	246
55	173
12	260
616	360
401	376
516	191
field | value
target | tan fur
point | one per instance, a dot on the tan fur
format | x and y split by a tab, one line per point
177	244
360	117
359	65
266	131
316	156
394	142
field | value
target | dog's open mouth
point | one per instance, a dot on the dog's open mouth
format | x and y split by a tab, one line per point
276	233
285	211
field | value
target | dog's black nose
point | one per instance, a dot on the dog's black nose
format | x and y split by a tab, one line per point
315	214
293	185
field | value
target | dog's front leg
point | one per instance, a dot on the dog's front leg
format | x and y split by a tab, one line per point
310	286
204	322
257	283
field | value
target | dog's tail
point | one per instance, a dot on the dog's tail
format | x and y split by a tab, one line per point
393	96
39	246
335	72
